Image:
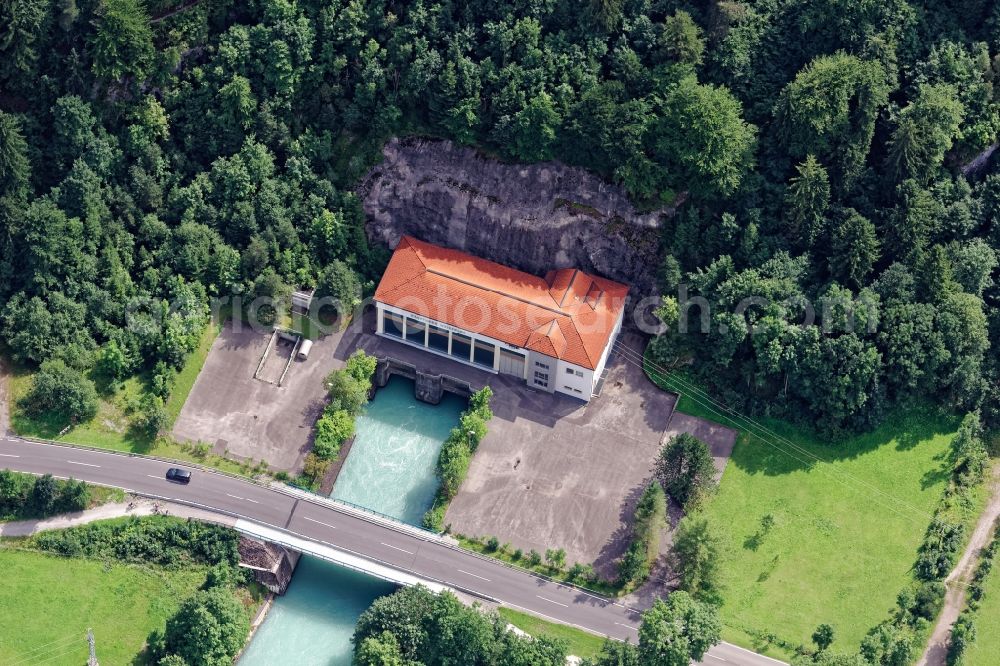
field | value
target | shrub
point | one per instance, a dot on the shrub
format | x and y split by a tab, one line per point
963	635
162	380
73	496
152	416
492	544
685	469
696	551
969	455
314	468
42	499
361	366
434	518
938	551
456	452
928	600
650	517
24	496
209	628
555	558
62	391
165	541
333	428
534	558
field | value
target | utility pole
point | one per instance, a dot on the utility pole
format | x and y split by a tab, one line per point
92	661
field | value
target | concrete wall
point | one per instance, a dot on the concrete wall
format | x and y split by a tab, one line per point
611	342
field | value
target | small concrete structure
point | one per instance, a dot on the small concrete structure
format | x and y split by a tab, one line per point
272	564
304	349
302	300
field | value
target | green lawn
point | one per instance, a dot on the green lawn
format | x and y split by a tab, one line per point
47	603
581	643
185	379
987	646
110	428
839	551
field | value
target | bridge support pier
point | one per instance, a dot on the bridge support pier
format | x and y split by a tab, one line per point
272	564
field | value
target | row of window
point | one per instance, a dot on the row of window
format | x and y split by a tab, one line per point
462	346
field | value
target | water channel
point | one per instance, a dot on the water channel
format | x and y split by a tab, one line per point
390	469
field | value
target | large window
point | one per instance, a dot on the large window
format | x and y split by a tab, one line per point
484	353
461	346
437	338
415	331
392	324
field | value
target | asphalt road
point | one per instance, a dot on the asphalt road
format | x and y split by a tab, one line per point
346	530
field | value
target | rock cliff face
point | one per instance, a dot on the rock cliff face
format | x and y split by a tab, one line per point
534	217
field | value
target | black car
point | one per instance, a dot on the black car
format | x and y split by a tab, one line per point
178	475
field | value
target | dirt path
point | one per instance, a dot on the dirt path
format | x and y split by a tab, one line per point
4	400
138	507
960	576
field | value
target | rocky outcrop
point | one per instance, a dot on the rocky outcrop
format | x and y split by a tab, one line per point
534	217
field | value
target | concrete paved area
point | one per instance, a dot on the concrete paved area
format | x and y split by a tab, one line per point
553	471
250	418
557	473
720	439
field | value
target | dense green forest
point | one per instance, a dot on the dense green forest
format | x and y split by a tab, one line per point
163	152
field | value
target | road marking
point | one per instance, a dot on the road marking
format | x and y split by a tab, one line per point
9	455
712	656
313	520
73	462
627	626
551	601
243	499
395	548
154	476
473	575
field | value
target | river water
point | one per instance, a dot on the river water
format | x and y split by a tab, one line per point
390	469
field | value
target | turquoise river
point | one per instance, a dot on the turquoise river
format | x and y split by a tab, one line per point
390	469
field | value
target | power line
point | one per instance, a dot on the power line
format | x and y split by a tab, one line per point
754	428
72	649
41	650
689	388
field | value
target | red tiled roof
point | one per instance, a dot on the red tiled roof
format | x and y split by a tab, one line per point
567	315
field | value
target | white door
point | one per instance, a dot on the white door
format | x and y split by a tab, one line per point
511	363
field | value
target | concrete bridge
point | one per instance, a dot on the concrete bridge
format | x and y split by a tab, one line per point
346	535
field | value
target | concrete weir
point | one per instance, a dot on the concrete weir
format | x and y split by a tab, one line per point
428	387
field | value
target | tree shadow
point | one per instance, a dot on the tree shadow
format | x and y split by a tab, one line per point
786	447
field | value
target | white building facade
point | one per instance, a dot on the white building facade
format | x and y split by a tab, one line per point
537	369
556	333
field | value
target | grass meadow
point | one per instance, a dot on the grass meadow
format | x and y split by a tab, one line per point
47	603
847	521
580	643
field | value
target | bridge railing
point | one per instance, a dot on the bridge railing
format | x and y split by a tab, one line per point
362	512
